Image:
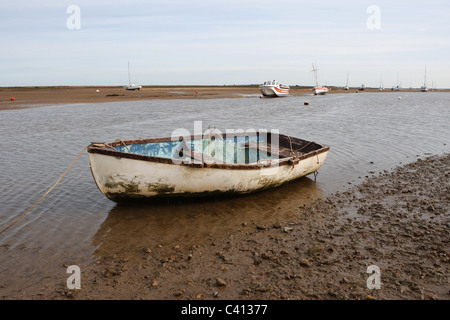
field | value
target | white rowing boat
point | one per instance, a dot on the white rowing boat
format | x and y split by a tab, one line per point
201	166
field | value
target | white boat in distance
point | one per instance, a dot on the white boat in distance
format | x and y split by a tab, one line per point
398	86
199	166
131	86
424	88
318	90
274	89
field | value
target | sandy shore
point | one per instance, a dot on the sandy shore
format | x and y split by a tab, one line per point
397	221
31	97
27	97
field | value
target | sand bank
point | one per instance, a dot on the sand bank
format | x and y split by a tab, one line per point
39	96
27	97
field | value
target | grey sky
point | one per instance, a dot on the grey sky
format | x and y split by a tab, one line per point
226	42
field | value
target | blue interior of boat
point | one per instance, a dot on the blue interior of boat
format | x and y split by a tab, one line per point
228	150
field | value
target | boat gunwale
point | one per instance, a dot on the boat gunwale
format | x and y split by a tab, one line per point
105	149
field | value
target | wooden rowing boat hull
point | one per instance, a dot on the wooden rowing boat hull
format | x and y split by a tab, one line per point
121	179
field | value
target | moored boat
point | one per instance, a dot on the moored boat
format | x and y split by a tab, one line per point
346	85
424	88
398	86
274	89
318	90
237	163
131	86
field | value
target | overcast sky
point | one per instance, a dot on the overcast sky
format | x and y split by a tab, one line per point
224	42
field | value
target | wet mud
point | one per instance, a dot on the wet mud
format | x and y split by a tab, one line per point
395	221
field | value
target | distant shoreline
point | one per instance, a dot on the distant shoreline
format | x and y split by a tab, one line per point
29	96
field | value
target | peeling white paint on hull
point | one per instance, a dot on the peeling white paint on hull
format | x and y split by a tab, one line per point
236	163
122	178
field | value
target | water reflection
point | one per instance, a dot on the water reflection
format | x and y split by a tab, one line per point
186	223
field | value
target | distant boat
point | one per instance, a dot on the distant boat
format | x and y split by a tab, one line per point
433	86
424	88
397	87
204	165
362	88
318	90
346	85
381	84
131	86
274	89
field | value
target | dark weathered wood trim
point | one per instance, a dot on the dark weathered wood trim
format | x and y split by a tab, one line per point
284	142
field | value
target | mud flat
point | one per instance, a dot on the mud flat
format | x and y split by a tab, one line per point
398	221
28	97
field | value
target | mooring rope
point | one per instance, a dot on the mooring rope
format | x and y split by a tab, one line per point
124	145
23	214
292	150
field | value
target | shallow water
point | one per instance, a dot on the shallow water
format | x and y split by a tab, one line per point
75	223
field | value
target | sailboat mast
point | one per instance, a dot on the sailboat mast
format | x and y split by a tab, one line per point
315	73
425	77
129	81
